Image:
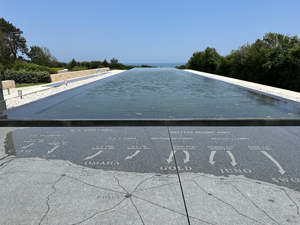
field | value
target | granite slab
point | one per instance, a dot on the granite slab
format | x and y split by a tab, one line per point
88	176
149	175
241	175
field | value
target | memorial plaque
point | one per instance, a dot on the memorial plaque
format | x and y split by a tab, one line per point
161	175
20	93
85	175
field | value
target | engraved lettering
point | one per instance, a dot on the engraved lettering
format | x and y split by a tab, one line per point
235	171
103	163
295	180
284	179
173	168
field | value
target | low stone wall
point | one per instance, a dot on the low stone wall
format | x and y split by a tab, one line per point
71	75
8	84
33	96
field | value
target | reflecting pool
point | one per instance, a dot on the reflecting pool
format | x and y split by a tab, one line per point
162	94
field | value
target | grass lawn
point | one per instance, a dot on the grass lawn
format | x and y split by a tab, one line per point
29	84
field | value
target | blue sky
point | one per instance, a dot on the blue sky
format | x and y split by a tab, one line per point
142	31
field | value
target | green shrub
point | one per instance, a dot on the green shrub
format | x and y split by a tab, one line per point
33	67
27	76
181	67
2	71
57	69
78	68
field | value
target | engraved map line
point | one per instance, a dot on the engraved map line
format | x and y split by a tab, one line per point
61	176
137	186
169	160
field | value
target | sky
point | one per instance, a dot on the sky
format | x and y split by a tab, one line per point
147	31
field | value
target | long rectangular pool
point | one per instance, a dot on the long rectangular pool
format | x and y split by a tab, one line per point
158	94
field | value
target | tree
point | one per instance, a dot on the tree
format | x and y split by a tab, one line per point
114	63
105	63
72	64
205	61
41	56
11	42
95	64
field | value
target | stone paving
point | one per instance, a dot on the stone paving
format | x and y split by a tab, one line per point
148	175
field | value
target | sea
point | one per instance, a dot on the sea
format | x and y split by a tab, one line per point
159	65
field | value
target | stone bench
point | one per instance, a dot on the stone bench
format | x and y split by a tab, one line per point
8	84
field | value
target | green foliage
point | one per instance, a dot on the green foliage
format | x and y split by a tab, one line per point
11	42
78	68
75	65
206	61
42	56
72	64
125	67
27	76
114	63
57	69
95	65
181	67
33	67
28	84
273	60
105	63
146	66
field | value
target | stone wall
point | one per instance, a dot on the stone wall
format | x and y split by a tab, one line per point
71	75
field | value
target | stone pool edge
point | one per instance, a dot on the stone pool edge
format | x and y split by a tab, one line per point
282	93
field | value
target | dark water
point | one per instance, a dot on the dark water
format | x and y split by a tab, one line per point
163	93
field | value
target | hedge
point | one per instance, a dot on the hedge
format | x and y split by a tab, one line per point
34	67
27	76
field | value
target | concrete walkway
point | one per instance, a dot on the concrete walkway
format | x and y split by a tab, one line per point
42	87
33	93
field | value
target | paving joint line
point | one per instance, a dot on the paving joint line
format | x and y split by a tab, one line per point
184	202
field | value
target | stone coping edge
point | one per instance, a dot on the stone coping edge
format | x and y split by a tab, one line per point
262	88
145	123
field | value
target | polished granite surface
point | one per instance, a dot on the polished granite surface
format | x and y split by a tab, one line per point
150	175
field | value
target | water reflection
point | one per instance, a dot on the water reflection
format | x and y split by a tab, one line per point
171	93
166	94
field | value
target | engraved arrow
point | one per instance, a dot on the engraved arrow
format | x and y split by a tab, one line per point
187	156
130	157
233	162
92	156
53	149
171	156
27	146
211	157
274	161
